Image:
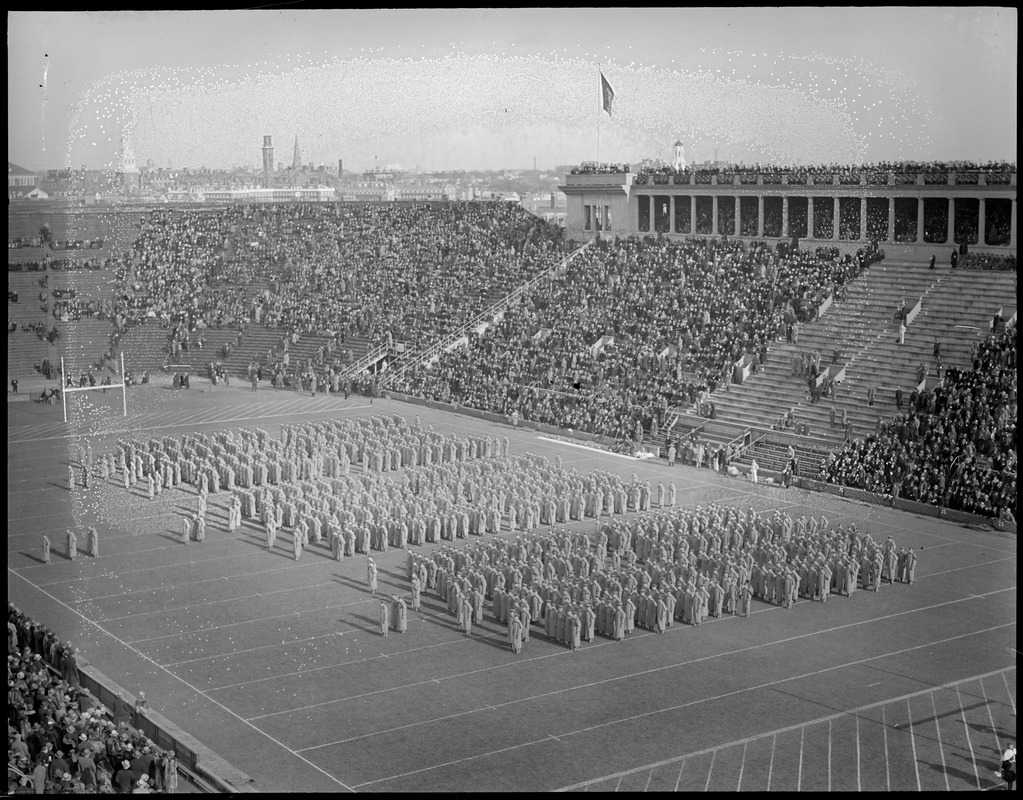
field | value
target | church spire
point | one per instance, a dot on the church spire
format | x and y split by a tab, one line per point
297	161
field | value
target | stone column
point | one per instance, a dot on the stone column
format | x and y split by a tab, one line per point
891	220
785	216
836	221
950	236
760	216
692	215
714	216
809	217
981	223
738	217
671	213
863	219
919	219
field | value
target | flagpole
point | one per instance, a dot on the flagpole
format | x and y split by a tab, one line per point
600	108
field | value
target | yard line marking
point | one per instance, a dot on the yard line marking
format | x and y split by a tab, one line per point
181	680
990	716
193	423
1009	692
830	728
178	585
710	771
887	769
859	788
678	780
801	725
742	766
968	566
799	773
648	777
587	447
618	785
941	748
966	727
912	740
460	640
770	767
563	653
211	602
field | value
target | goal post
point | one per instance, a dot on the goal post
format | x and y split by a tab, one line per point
121	385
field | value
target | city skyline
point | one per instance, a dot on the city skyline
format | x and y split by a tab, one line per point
495	89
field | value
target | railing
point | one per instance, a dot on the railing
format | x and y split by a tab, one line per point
746	439
368	360
424	356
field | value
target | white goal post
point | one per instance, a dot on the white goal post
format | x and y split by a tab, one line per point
122	386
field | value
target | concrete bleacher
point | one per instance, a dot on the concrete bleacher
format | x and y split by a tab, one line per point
144	347
957	309
83	345
864	331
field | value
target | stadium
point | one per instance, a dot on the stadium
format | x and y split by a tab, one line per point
710	488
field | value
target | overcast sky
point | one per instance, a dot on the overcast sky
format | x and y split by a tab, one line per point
486	89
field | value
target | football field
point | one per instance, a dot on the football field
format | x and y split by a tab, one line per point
277	665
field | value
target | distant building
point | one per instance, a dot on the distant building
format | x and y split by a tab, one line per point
20	181
680	155
268	160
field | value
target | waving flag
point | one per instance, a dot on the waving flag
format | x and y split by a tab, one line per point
607	93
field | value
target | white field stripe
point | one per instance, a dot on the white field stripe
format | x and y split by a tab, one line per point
568	653
798	726
193	688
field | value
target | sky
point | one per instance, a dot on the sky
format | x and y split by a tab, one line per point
506	88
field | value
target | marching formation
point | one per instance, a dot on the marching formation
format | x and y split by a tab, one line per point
449	486
681	565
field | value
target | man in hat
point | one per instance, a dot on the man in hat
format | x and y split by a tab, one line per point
371	575
910	569
385	618
746	597
46	549
72	545
417	591
401	623
93	542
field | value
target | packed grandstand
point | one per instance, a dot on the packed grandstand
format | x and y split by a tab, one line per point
484	306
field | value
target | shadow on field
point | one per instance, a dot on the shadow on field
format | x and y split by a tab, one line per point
987	730
360	584
371	625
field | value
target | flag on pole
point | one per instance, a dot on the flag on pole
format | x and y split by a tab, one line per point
607	94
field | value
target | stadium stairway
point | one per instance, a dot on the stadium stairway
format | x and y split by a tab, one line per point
957	310
25	354
854	327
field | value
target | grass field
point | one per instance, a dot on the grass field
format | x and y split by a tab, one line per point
278	667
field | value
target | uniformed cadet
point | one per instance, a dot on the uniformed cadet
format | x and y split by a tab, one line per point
93	542
46	549
72	545
371	575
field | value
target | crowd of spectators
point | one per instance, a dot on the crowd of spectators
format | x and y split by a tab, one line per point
677	314
983	261
955	446
593	168
395	273
846	174
60	740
